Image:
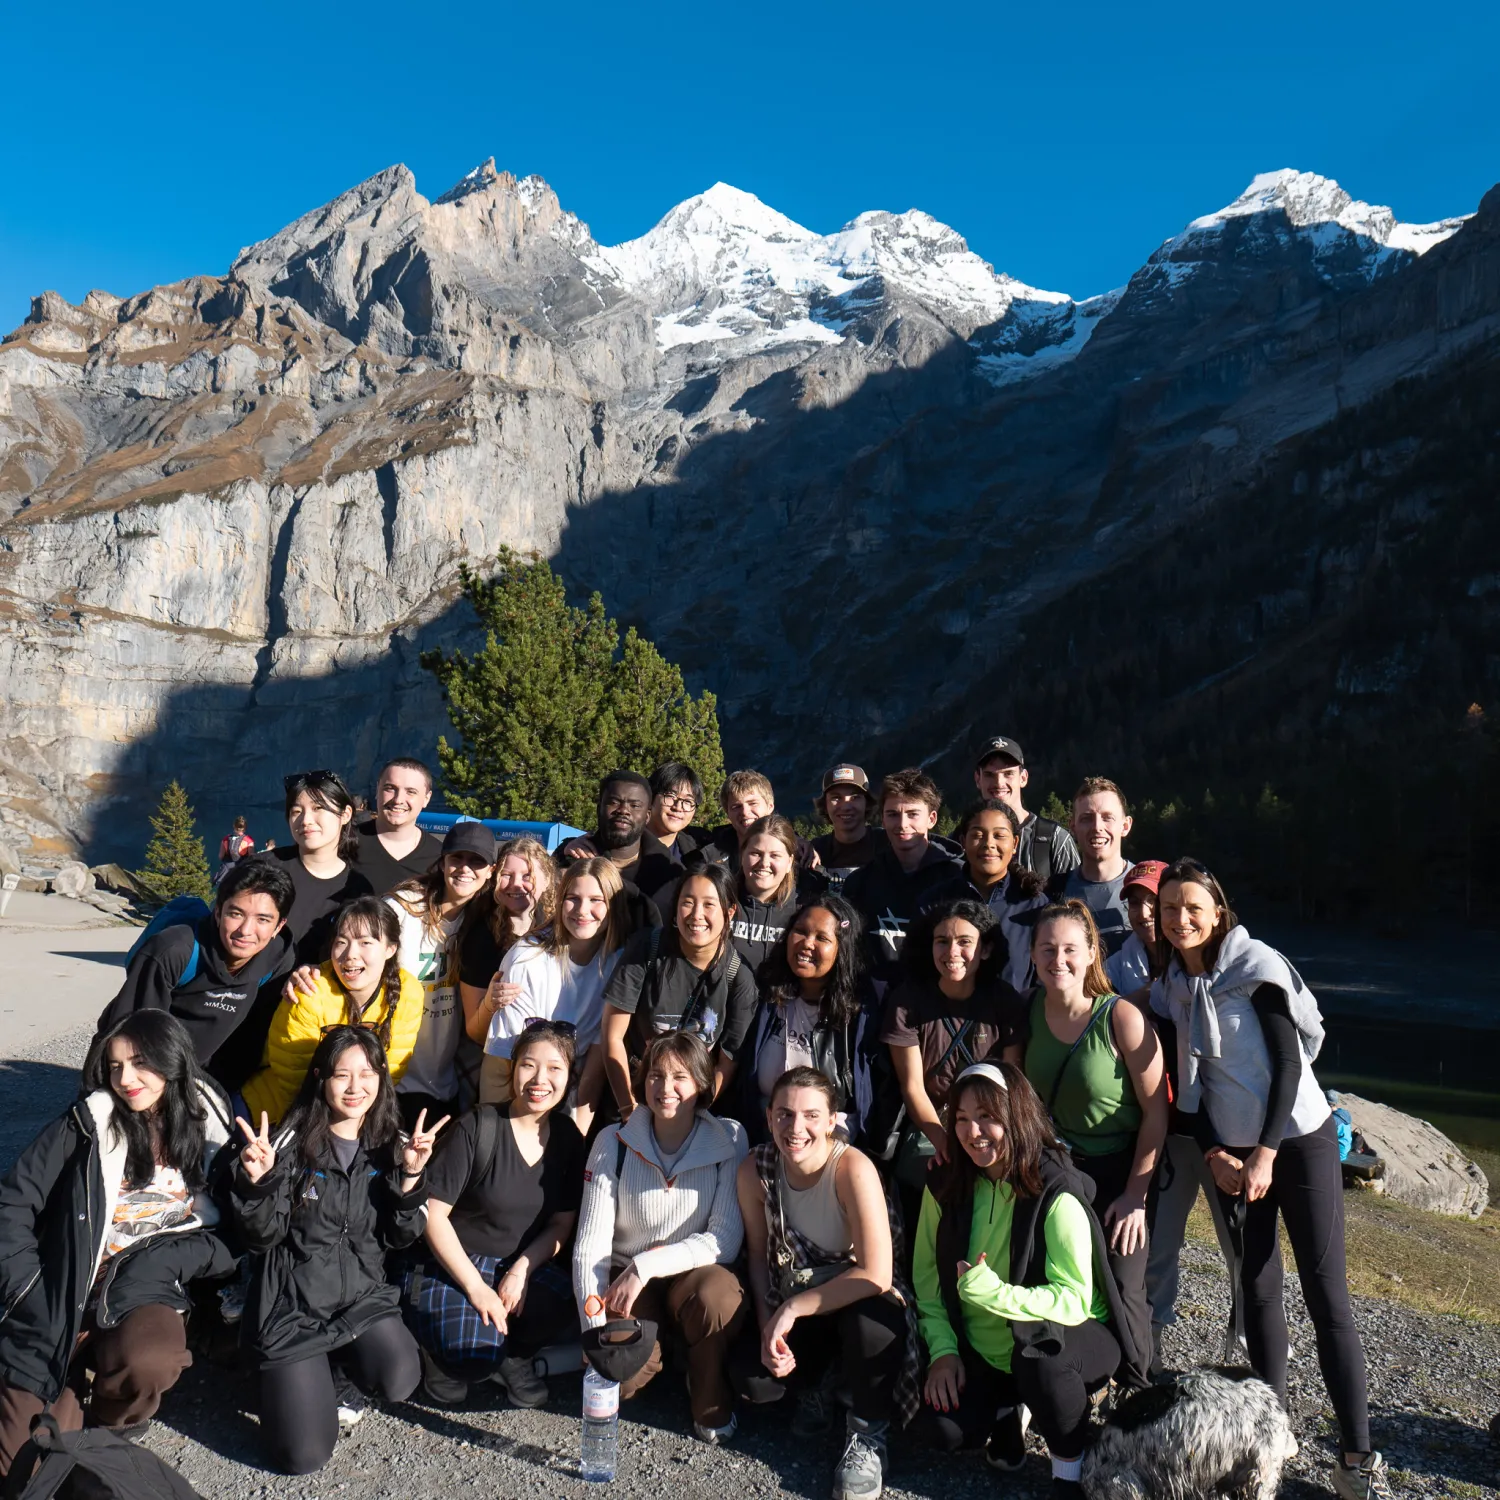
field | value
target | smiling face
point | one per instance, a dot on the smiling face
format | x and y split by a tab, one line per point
247	921
400	798
978	1131
352	1085
538	1079
1188	914
464	875
989	847
1140	902
907	821
1003	780
802	1123
1062	953
584	908
133	1083
515	885
359	959
671	1091
957	951
701	916
744	808
1100	824
764	862
848	811
315	827
812	945
673	810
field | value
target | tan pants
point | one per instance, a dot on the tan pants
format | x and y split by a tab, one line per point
708	1306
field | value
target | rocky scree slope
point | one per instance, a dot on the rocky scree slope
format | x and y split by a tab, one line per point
232	510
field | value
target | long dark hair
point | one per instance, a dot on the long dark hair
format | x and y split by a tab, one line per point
1188	868
372	917
310	1118
1028	1136
916	951
173	1132
843	990
1027	882
328	790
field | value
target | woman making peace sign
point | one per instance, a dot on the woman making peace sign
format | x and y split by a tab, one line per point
320	1206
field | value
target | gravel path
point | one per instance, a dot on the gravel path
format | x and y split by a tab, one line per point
1434	1384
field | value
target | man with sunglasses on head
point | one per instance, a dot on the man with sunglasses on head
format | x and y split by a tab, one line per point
392	849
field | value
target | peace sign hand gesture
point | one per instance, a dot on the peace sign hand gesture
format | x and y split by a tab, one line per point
419	1146
259	1156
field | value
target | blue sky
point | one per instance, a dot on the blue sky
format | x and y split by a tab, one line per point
1064	142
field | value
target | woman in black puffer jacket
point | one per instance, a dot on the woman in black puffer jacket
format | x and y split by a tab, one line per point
104	1221
320	1207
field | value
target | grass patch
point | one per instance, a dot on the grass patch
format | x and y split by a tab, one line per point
1424	1261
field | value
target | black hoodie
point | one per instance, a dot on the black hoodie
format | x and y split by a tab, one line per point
888	898
227	1015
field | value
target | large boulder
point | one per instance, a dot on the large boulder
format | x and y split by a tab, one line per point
73	879
1422	1166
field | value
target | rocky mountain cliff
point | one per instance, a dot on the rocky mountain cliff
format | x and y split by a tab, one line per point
840	478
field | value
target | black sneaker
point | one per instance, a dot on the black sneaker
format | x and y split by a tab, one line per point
351	1402
1006	1447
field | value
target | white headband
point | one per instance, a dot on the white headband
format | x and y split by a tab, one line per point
980	1070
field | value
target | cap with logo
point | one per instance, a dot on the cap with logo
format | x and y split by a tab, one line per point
1147	873
470	837
1000	746
846	775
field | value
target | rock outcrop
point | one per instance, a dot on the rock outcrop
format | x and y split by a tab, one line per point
837	477
1423	1168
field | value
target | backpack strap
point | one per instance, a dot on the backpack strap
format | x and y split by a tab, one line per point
486	1142
190	968
1041	847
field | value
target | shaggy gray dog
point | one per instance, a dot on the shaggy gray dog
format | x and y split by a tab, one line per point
1208	1435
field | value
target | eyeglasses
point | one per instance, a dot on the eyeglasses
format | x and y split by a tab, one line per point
679	804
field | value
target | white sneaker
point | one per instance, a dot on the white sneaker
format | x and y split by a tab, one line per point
715	1436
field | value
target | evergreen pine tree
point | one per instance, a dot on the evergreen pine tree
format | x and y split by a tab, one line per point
175	862
546	708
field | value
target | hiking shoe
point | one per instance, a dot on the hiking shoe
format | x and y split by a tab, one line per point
813	1418
522	1383
441	1388
352	1404
714	1436
1006	1448
861	1471
1369	1481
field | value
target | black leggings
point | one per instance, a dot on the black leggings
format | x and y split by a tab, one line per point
1109	1174
299	1411
870	1340
1055	1389
1307	1191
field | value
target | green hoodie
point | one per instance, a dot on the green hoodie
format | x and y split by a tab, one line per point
1068	1296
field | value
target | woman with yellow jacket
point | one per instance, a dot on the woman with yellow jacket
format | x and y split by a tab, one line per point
354	989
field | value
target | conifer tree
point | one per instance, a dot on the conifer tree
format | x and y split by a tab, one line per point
547	707
175	862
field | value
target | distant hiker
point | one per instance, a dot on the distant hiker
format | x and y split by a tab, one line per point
768	887
846	803
1097	1066
108	1207
1247	1032
892	888
233	847
676	796
1000	772
990	835
392	849
621	836
220	976
320	860
1129	967
1101	824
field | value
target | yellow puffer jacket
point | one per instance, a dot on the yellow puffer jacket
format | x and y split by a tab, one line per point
298	1027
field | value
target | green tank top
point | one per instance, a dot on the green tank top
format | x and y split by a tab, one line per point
1095	1111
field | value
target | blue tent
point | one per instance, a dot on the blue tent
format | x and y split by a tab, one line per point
549	835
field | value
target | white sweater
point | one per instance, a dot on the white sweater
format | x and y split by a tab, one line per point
663	1226
553	988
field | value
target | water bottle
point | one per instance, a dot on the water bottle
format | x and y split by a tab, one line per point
601	1427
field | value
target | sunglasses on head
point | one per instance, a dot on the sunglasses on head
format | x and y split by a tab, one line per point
302	778
566	1028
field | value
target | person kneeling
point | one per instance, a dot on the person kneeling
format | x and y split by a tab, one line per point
824	1243
319	1208
503	1200
1014	1291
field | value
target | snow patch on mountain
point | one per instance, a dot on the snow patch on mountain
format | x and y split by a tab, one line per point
1036	337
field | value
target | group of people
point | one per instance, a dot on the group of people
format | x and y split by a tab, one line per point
899	1127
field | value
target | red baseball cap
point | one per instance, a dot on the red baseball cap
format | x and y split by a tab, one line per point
1147	873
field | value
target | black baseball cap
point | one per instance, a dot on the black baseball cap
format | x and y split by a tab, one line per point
845	774
1000	745
470	837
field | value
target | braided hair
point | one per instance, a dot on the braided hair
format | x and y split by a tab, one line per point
371	916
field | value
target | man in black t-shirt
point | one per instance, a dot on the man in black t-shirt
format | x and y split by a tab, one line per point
853	843
392	849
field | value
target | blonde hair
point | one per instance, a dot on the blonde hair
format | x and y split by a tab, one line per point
741	784
607	874
778	828
543	887
1095	981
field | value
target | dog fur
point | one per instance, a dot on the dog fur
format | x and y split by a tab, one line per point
1210	1434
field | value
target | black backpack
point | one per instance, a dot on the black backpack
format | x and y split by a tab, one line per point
94	1464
